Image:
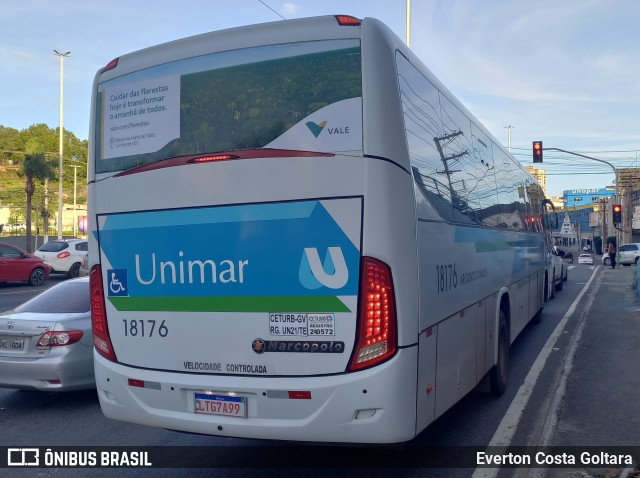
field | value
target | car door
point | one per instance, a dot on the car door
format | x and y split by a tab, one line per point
82	248
628	253
11	264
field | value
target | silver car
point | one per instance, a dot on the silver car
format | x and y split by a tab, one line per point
46	343
627	254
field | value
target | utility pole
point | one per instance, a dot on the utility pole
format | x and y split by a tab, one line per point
61	145
509	128
408	31
75	212
45	213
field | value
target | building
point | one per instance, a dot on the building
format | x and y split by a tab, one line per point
576	227
12	220
582	197
540	175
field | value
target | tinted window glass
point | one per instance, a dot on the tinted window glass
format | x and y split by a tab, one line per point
66	297
224	101
6	251
53	246
463	174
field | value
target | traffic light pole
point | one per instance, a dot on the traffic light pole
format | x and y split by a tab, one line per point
615	172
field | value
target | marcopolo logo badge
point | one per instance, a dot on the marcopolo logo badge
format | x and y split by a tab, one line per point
261	346
258	346
117	282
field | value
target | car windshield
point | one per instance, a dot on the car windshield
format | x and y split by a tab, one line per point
66	297
53	246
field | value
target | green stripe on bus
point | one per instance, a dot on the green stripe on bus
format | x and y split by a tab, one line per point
231	304
493	246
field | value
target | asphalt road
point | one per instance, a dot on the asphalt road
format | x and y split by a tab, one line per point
30	418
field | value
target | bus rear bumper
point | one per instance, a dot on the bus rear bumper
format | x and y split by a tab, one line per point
376	405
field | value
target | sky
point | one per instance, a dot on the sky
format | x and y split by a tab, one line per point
565	73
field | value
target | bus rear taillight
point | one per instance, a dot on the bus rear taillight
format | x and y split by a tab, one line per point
212	158
377	324
110	66
348	20
101	339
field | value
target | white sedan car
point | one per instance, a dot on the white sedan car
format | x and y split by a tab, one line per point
46	343
557	269
585	259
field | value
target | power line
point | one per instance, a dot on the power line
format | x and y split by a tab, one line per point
272	9
595	152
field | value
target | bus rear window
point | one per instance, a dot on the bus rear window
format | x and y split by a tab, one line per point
279	96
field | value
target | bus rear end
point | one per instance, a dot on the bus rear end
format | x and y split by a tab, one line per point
243	248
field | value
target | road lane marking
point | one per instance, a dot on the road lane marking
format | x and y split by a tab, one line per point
509	424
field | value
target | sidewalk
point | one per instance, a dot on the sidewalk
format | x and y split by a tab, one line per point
601	406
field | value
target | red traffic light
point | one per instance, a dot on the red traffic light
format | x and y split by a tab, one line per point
617	213
537	151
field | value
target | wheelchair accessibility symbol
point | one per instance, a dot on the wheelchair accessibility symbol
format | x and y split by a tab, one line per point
117	282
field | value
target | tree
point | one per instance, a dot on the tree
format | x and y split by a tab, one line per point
10	142
39	138
35	167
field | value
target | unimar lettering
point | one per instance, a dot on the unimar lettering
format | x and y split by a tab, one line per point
150	270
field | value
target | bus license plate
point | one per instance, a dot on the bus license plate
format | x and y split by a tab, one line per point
11	343
226	405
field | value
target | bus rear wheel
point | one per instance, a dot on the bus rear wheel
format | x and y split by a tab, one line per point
500	372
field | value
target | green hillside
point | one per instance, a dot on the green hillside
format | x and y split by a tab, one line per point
15	144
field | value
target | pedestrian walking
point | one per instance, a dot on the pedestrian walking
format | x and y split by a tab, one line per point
611	249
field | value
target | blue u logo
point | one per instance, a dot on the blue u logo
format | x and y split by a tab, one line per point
333	273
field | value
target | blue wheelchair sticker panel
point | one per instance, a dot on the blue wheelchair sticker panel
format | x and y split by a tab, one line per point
117	282
233	257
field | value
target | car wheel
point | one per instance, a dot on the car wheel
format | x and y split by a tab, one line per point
560	284
36	277
547	288
500	372
606	261
74	271
637	260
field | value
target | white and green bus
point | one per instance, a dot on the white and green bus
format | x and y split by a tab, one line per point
298	233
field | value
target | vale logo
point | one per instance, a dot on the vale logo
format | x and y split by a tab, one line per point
333	273
316	128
